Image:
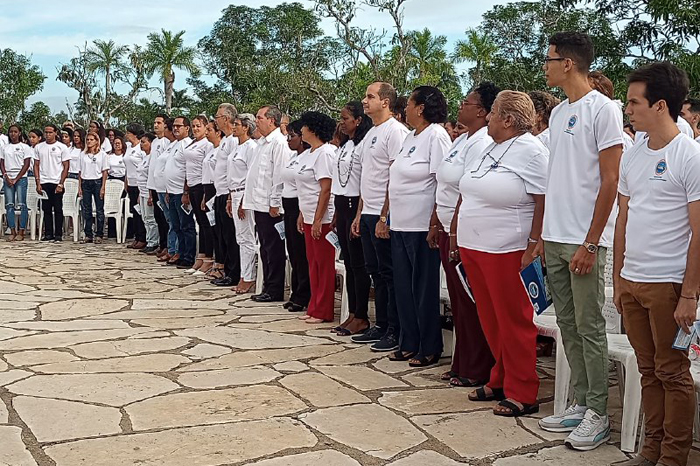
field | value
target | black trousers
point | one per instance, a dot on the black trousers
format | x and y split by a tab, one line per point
227	251
272	254
296	248
139	229
206	232
357	279
161	221
53	211
210	192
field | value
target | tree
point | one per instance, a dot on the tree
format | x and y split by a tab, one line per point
106	58
38	116
479	49
164	53
19	80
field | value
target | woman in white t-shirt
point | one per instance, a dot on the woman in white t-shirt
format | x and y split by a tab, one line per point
98	128
414	228
76	149
15	159
500	222
67	140
313	180
544	104
354	125
94	165
214	136
132	160
117	168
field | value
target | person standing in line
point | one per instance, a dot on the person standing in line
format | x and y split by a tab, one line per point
586	145
158	147
4	139
237	170
691	114
214	135
170	255
51	164
98	128
228	253
657	271
300	289
15	159
544	104
94	168
145	200
133	158
382	145
415	228
354	125
313	180
263	194
180	211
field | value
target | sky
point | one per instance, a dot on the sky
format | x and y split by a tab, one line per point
50	32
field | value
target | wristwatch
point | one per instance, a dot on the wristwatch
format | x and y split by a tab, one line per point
590	247
382	219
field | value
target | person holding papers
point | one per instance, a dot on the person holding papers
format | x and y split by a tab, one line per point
657	258
313	182
500	221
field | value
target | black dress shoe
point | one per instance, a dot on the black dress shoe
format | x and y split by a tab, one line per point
58	239
47	238
266	298
150	250
296	308
184	265
287	305
224	281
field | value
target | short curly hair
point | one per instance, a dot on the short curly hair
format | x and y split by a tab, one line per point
434	102
544	104
602	84
519	107
320	124
487	92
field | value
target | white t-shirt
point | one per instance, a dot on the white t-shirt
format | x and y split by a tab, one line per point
314	167
290	167
4	140
51	158
175	168
161	162
92	165
660	184
412	178
117	168
157	148
464	149
14	156
106	146
74	160
133	157
544	137
347	169
579	131
209	165
237	165
228	145
497	204
142	176
697	139
379	148
682	124
194	155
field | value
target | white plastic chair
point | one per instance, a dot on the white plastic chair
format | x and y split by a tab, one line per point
114	207
33	206
344	304
620	350
126	212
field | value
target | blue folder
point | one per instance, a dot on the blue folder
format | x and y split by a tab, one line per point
534	280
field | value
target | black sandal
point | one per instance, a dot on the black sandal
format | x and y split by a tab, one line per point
496	394
344	332
449	375
426	361
515	410
458	381
401	356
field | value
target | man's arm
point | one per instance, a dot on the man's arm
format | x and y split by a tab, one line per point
686	310
619	247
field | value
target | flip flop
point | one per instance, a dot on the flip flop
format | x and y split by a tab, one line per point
497	394
343	332
424	361
448	375
458	381
515	410
400	356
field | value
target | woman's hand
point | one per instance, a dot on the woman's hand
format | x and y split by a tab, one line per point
355	227
528	256
241	213
433	236
203	206
316	230
102	193
300	223
185	199
454	249
229	209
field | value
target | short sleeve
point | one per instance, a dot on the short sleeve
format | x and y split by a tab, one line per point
439	145
607	126
622	186
28	152
323	168
395	140
65	154
690	176
105	162
535	173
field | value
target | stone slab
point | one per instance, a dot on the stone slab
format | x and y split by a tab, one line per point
4	415
228	377
184	322
13	451
55	420
128	347
321	391
195	446
313	458
604	454
220	304
142	363
74	308
3	366
161	314
8	333
213	407
11	376
63	339
291	366
361	378
359	355
250	339
430	401
424	458
108	389
62	326
255	358
205	351
386	436
16	315
30	358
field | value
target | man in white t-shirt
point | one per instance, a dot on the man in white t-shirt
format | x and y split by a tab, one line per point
51	164
585	150
657	258
3	137
691	113
160	144
380	147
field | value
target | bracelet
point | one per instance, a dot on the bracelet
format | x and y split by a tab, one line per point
434	226
694	298
532	240
453	235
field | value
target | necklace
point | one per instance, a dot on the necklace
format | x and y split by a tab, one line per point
344	183
496	163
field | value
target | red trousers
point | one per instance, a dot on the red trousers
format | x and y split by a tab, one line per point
506	314
472	357
321	256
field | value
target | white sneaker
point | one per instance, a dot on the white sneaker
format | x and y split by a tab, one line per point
591	432
564	422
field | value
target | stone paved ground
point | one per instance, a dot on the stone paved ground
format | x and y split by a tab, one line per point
109	359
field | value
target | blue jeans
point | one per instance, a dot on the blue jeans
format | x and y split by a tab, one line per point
91	190
183	225
16	197
172	237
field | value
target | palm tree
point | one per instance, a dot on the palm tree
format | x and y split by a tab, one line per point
427	54
105	58
479	49
164	53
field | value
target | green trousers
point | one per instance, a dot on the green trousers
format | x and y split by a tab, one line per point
578	301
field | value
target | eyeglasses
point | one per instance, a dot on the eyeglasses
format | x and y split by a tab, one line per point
216	117
550	59
178	126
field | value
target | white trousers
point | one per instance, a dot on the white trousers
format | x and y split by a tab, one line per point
245	237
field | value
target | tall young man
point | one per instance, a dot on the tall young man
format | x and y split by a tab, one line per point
51	164
657	270
170	254
691	113
380	147
157	148
263	194
586	145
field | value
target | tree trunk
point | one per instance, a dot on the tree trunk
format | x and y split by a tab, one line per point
169	85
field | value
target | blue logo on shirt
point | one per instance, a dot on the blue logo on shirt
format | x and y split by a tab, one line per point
661	167
572	121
